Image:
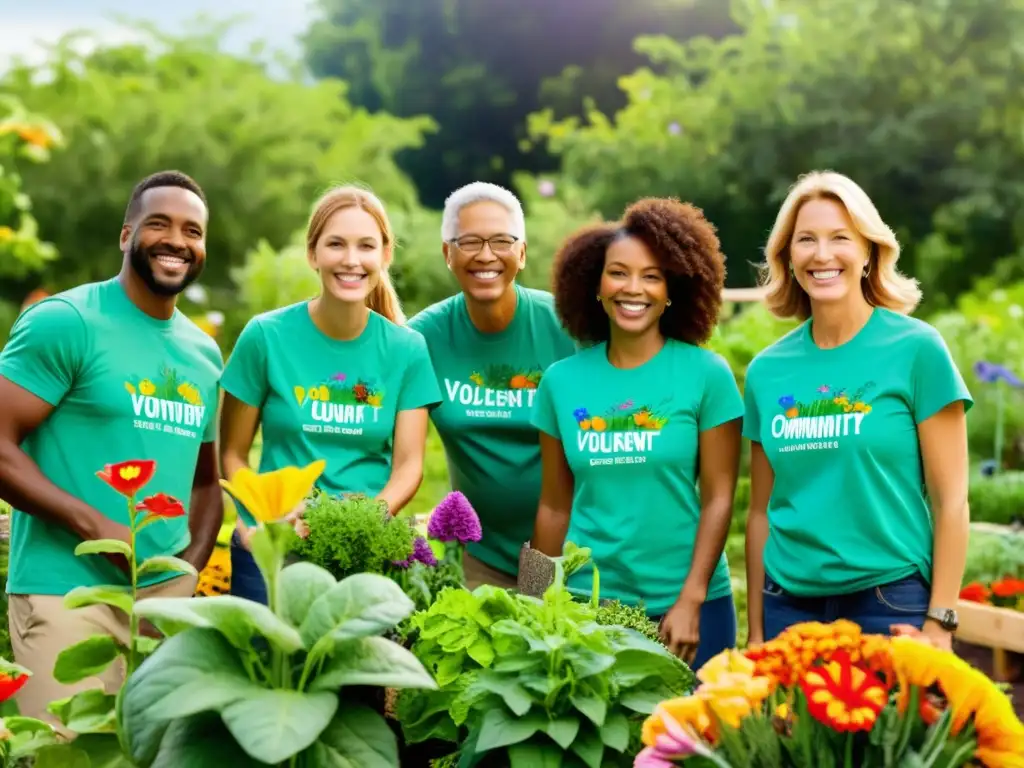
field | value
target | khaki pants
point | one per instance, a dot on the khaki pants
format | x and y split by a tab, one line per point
478	572
41	627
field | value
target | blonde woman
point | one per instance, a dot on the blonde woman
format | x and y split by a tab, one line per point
337	377
857	423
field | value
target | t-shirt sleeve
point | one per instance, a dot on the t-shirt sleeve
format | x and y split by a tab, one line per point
245	376
936	380
543	416
720	401
419	384
46	350
751	414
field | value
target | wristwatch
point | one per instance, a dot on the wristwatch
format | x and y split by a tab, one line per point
946	618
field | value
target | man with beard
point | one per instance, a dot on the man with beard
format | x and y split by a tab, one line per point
107	378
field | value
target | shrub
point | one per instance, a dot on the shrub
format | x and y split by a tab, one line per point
997	499
993	555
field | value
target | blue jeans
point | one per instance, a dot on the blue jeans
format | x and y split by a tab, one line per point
246	579
717	629
874	609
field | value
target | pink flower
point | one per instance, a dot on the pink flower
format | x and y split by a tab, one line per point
676	743
823	388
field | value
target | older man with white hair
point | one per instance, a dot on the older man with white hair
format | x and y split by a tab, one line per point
490	345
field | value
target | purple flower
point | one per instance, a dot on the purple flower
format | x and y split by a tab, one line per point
675	129
546	187
454	520
990	373
421	552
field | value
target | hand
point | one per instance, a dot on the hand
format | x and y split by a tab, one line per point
680	629
294	517
933	634
111	530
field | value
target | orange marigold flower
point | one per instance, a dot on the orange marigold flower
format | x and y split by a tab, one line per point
975	592
844	696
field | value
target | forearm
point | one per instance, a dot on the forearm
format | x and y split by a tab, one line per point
206	516
402	486
231	462
949	554
550	529
712	531
27	489
757	536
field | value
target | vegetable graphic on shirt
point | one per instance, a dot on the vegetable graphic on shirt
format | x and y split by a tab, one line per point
169	385
336	390
624	417
498	386
623	428
167	403
503	376
829	402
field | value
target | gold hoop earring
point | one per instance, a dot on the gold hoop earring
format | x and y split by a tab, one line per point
668	303
599	299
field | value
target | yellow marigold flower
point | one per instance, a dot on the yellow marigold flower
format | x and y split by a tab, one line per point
6	233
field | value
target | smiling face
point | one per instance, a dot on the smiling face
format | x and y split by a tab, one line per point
633	290
827	252
166	241
350	254
485	272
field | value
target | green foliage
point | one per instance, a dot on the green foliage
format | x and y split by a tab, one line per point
353	534
614	613
262	147
997	499
260	685
743	332
527	679
993	555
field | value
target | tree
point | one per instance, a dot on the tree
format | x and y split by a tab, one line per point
262	147
911	98
479	67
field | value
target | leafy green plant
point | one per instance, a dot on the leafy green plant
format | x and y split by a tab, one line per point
254	685
997	499
523	681
614	613
354	534
992	556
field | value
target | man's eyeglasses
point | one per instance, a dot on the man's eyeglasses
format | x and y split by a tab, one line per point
472	245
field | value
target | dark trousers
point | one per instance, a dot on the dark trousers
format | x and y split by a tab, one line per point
246	579
874	609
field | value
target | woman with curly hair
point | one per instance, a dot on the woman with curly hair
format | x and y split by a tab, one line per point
858	430
640	431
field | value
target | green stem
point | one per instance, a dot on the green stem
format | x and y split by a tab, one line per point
133	619
848	759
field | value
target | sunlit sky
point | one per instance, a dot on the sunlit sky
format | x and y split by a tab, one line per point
23	25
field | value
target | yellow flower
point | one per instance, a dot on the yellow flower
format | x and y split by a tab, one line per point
130	387
477	379
686	710
729	661
146	387
374	400
6	233
734	696
272	495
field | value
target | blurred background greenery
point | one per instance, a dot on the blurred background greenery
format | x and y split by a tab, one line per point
581	106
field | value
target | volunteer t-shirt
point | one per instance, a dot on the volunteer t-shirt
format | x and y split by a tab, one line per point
631	439
124	386
488	387
321	398
848	509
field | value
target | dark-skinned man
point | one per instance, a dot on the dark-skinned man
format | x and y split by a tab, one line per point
105	373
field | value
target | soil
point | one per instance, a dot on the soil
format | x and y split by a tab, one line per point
981	658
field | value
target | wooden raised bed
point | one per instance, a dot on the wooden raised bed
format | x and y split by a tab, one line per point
1001	629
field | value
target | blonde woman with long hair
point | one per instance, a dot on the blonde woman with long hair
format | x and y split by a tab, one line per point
857	423
337	377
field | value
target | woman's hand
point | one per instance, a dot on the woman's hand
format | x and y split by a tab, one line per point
680	629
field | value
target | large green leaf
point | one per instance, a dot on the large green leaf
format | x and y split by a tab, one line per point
272	725
85	659
357	737
238	619
201	741
514	695
615	732
86	751
534	755
361	605
372	661
195	654
104	547
90	711
300	586
118	597
500	729
166	564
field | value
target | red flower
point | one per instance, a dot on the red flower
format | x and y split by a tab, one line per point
844	696
1008	587
128	477
162	505
975	592
11	683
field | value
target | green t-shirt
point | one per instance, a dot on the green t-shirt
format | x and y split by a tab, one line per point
631	438
321	398
839	427
488	386
123	386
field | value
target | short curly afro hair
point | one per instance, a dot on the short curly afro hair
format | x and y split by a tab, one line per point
687	248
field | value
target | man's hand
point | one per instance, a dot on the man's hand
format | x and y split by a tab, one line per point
108	529
680	629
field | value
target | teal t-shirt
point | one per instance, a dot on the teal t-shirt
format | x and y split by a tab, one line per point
321	398
123	386
848	509
488	387
631	438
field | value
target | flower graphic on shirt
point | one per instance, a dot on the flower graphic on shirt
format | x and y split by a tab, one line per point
828	401
503	376
623	417
169	385
340	389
